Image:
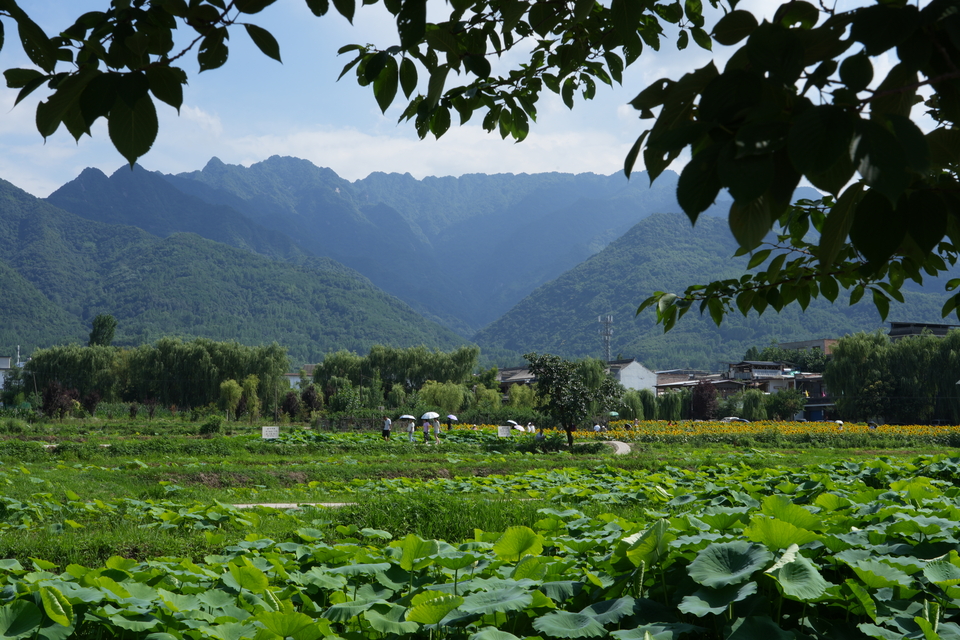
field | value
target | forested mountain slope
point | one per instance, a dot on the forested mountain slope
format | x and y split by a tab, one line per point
461	250
663	252
63	270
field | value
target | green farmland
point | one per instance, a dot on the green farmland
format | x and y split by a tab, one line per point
474	538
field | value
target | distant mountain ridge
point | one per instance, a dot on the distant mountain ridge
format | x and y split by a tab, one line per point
461	251
64	269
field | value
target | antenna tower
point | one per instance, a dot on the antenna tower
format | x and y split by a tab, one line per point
606	332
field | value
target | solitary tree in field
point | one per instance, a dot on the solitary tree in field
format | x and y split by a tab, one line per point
565	392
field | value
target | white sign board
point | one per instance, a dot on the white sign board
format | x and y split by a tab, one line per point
503	431
271	432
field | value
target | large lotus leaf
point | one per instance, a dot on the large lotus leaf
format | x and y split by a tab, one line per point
497	600
492	633
564	624
415	552
609	611
777	534
880	633
942	573
178	602
284	624
430	607
715	601
368	569
831	502
388	618
517	542
724	518
568	514
57	606
135	622
916	489
343	611
455	560
561	590
658	631
724	563
647	547
50	630
782	508
876	574
230	631
800	580
216	599
248	577
759	628
531	567
10	564
863	602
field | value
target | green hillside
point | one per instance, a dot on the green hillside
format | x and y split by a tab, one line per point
63	270
663	252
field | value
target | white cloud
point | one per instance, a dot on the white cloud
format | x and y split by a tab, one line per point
206	121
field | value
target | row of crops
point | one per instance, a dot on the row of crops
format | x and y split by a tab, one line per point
843	550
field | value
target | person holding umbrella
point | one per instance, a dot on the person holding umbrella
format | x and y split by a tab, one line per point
427	417
411	425
450	418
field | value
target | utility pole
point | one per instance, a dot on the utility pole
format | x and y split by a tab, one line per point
606	332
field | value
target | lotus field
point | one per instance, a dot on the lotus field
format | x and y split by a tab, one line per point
665	542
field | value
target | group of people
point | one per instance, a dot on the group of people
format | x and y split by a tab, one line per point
411	428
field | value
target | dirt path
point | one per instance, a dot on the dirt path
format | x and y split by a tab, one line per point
292	505
619	448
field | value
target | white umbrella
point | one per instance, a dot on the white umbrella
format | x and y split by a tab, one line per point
451	417
518	427
430	415
513	422
406	417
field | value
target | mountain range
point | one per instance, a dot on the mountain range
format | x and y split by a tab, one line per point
285	250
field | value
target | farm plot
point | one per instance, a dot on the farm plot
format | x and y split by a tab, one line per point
851	549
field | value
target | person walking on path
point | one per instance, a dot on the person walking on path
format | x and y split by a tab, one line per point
426	432
411	429
387	425
436	430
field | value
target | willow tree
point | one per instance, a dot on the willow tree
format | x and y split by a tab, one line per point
858	376
911	363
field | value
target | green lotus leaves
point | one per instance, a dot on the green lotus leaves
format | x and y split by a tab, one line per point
777	534
229	631
19	619
496	600
492	633
389	619
285	624
517	542
942	573
431	607
800	580
416	552
716	601
610	611
564	624
647	547
249	578
455	560
782	508
56	606
724	563
877	575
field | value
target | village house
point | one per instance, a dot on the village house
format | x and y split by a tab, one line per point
629	372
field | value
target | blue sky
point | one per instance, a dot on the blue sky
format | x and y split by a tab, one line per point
253	108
